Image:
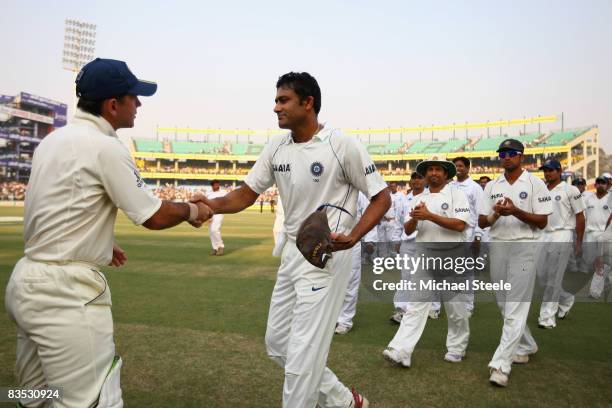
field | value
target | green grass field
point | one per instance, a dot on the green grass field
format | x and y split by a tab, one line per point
190	328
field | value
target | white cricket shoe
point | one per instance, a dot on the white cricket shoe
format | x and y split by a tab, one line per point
342	329
397	357
453	357
562	314
520	359
434	314
523	358
397	316
547	324
498	377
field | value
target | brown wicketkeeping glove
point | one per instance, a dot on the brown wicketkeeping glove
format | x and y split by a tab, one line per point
314	239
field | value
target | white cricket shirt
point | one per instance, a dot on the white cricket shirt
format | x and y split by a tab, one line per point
597	211
81	174
408	206
331	168
215	194
528	193
449	203
474	194
567	202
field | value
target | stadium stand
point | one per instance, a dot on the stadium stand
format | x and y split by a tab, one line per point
418	147
148	145
184	161
560	138
196	147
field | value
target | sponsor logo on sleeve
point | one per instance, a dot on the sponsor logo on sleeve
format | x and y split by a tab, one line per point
139	180
370	169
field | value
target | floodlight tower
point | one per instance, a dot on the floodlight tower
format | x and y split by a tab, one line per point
79	44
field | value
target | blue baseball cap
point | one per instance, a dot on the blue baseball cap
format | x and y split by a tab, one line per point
551	164
106	78
511	144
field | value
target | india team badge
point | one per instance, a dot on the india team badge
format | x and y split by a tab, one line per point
316	169
523	195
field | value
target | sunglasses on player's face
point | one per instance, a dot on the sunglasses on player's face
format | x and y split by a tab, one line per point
508	153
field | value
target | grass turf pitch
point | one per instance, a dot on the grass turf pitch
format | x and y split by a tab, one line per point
190	328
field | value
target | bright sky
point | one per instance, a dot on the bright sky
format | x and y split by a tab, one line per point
379	64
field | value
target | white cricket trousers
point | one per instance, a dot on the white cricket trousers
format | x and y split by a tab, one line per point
64	331
554	251
349	307
513	262
385	245
401	297
417	310
305	305
214	231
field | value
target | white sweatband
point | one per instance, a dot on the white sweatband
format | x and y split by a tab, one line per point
193	212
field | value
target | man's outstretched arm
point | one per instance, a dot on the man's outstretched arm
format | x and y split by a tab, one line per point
231	203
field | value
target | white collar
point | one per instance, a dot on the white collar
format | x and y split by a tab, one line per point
98	121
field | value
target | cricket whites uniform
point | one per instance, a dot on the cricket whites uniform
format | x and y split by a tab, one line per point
555	250
474	194
408	248
214	230
388	232
450	203
398	202
349	308
331	168
57	293
512	259
278	230
597	213
596	239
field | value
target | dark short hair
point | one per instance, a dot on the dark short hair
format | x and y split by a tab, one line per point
485	177
215	182
304	85
94	107
89	106
464	160
416	175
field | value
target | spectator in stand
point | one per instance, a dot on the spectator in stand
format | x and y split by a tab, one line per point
12	191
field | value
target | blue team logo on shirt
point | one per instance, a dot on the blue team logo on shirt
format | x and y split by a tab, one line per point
316	169
523	195
444	206
557	198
